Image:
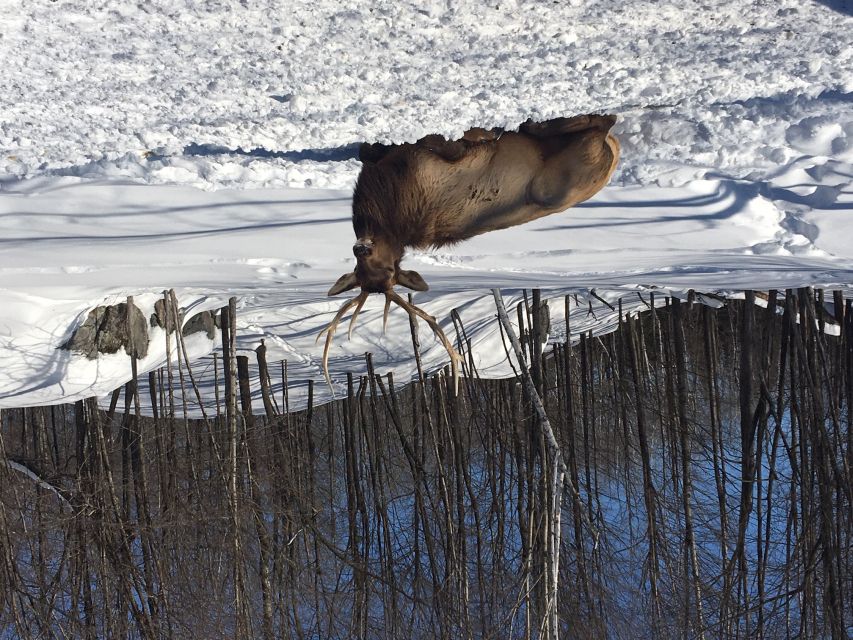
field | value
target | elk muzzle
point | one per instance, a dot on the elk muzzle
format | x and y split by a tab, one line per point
362	248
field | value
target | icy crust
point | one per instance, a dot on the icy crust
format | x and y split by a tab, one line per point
217	94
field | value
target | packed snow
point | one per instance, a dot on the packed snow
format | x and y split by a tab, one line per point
211	147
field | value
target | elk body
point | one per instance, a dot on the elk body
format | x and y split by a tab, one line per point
437	192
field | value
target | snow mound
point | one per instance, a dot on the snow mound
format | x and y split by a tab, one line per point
130	90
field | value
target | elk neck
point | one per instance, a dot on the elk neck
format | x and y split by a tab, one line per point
386	206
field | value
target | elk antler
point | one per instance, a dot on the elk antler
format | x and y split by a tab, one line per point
414	313
333	325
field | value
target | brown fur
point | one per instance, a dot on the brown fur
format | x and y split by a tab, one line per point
437	192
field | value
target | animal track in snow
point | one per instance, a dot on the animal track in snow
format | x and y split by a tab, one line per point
276	269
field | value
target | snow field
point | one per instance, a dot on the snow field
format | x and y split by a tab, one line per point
211	147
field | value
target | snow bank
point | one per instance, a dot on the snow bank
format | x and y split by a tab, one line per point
260	94
211	147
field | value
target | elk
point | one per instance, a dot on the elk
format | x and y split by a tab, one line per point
438	192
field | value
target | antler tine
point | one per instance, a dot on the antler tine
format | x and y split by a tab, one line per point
385	313
413	310
333	325
361	298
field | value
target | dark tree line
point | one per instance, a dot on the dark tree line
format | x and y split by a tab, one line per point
706	452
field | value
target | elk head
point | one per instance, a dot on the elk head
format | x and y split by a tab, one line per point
377	270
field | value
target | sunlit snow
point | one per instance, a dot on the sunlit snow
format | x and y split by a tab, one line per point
211	147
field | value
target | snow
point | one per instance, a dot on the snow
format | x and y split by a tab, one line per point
211	147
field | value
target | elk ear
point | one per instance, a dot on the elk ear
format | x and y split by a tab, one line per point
344	283
412	280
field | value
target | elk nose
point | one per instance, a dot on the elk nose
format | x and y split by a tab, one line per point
362	249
